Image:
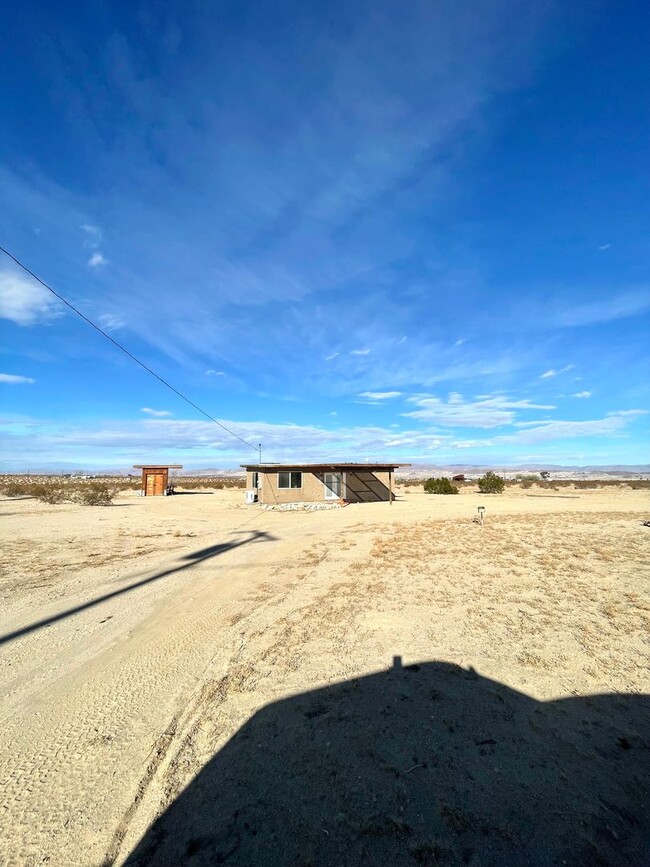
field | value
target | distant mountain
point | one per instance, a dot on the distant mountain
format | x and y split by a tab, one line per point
417	471
414	471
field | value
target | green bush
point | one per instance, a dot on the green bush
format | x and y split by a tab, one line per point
440	486
490	483
96	494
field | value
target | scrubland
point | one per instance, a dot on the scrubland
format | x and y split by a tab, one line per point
191	679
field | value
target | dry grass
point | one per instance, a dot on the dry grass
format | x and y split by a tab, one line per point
562	597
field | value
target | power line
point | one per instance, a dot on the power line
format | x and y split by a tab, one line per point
125	350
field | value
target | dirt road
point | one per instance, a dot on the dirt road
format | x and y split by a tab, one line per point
138	638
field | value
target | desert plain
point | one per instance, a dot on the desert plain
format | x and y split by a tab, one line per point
192	680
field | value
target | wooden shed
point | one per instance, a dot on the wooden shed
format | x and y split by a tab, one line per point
155	478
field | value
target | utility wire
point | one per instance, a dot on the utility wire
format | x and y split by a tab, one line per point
125	350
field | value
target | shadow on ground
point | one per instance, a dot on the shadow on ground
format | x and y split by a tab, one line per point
248	537
423	765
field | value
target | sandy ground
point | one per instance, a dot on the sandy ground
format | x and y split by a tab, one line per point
189	679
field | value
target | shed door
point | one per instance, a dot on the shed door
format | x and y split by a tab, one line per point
155	484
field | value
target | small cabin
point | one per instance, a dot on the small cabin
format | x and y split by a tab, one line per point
277	484
155	478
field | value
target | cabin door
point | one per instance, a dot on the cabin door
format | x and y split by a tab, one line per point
333	486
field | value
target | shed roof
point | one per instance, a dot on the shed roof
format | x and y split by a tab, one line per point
157	466
334	465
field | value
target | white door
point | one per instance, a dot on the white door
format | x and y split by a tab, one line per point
333	486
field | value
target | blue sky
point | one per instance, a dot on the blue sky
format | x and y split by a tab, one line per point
348	230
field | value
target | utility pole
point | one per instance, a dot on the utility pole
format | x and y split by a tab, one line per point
259	446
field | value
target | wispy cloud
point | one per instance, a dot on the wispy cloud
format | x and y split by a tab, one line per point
606	310
24	301
212	372
97	260
487	412
156	413
360	352
552	372
332	356
122	442
110	322
93	233
12	379
380	395
582	394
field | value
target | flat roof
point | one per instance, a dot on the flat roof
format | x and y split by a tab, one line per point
157	466
334	465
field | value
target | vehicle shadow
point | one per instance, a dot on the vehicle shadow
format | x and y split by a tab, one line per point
186	562
424	765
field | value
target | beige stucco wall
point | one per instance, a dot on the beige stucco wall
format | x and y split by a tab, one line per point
360	486
312	490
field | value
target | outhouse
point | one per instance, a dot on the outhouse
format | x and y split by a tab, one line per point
155	478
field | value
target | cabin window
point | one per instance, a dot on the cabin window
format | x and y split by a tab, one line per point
256	481
289	480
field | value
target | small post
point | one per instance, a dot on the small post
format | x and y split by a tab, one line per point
259	446
481	510
390	487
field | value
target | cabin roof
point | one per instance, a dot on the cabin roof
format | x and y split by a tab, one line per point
333	465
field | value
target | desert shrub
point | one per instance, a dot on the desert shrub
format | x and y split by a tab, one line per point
96	494
48	492
490	483
14	489
526	480
440	486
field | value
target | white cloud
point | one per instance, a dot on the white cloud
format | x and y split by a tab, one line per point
109	322
552	372
629	412
582	394
94	233
212	372
607	310
471	444
380	395
543	431
487	412
202	443
157	413
15	380
96	260
24	301
360	352
332	356
604	246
